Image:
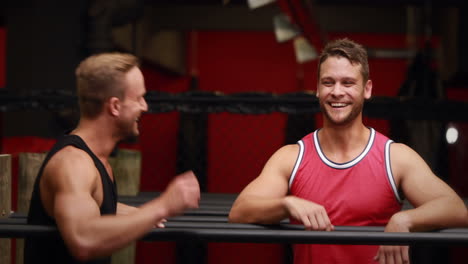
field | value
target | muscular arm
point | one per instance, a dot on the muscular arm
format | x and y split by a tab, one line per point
262	201
265	199
124	209
70	179
436	204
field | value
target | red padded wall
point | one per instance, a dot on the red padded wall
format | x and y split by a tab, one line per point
233	62
239	145
158	142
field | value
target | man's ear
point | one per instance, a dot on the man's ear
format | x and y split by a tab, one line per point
114	105
368	89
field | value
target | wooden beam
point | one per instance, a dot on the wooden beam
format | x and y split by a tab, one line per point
5	204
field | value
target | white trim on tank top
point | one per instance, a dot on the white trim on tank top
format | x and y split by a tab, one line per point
388	167
298	161
346	164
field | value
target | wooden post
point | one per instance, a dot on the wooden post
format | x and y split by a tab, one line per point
29	165
127	169
5	204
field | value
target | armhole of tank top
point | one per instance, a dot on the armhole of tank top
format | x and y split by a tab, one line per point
298	162
388	168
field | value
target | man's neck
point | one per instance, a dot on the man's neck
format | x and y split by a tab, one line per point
98	138
344	143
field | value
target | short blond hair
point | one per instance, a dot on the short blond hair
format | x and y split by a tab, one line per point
99	77
348	49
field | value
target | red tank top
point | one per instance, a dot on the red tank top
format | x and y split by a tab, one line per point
361	192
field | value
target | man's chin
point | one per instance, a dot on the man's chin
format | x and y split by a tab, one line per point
133	138
339	120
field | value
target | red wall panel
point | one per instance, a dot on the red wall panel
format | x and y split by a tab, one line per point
158	136
158	144
233	62
239	145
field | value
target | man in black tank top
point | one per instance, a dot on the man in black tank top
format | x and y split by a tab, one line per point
75	188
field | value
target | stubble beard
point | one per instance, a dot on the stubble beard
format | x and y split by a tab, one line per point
356	109
127	131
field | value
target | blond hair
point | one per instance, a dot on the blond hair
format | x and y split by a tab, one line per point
99	77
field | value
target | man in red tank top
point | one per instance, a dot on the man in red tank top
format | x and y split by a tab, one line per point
348	174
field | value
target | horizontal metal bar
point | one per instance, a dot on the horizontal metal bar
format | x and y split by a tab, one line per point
206	222
269	235
208	207
307	237
21	219
403	108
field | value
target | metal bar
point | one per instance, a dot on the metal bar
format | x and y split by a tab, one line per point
313	237
404	108
16	219
210	222
270	235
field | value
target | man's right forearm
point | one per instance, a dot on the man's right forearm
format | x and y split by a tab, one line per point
89	235
258	210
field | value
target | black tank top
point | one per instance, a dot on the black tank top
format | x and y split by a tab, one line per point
52	249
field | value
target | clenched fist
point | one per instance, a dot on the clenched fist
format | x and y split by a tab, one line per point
182	193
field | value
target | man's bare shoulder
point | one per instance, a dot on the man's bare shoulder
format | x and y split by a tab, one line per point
402	154
282	161
406	162
288	151
70	156
68	165
400	147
